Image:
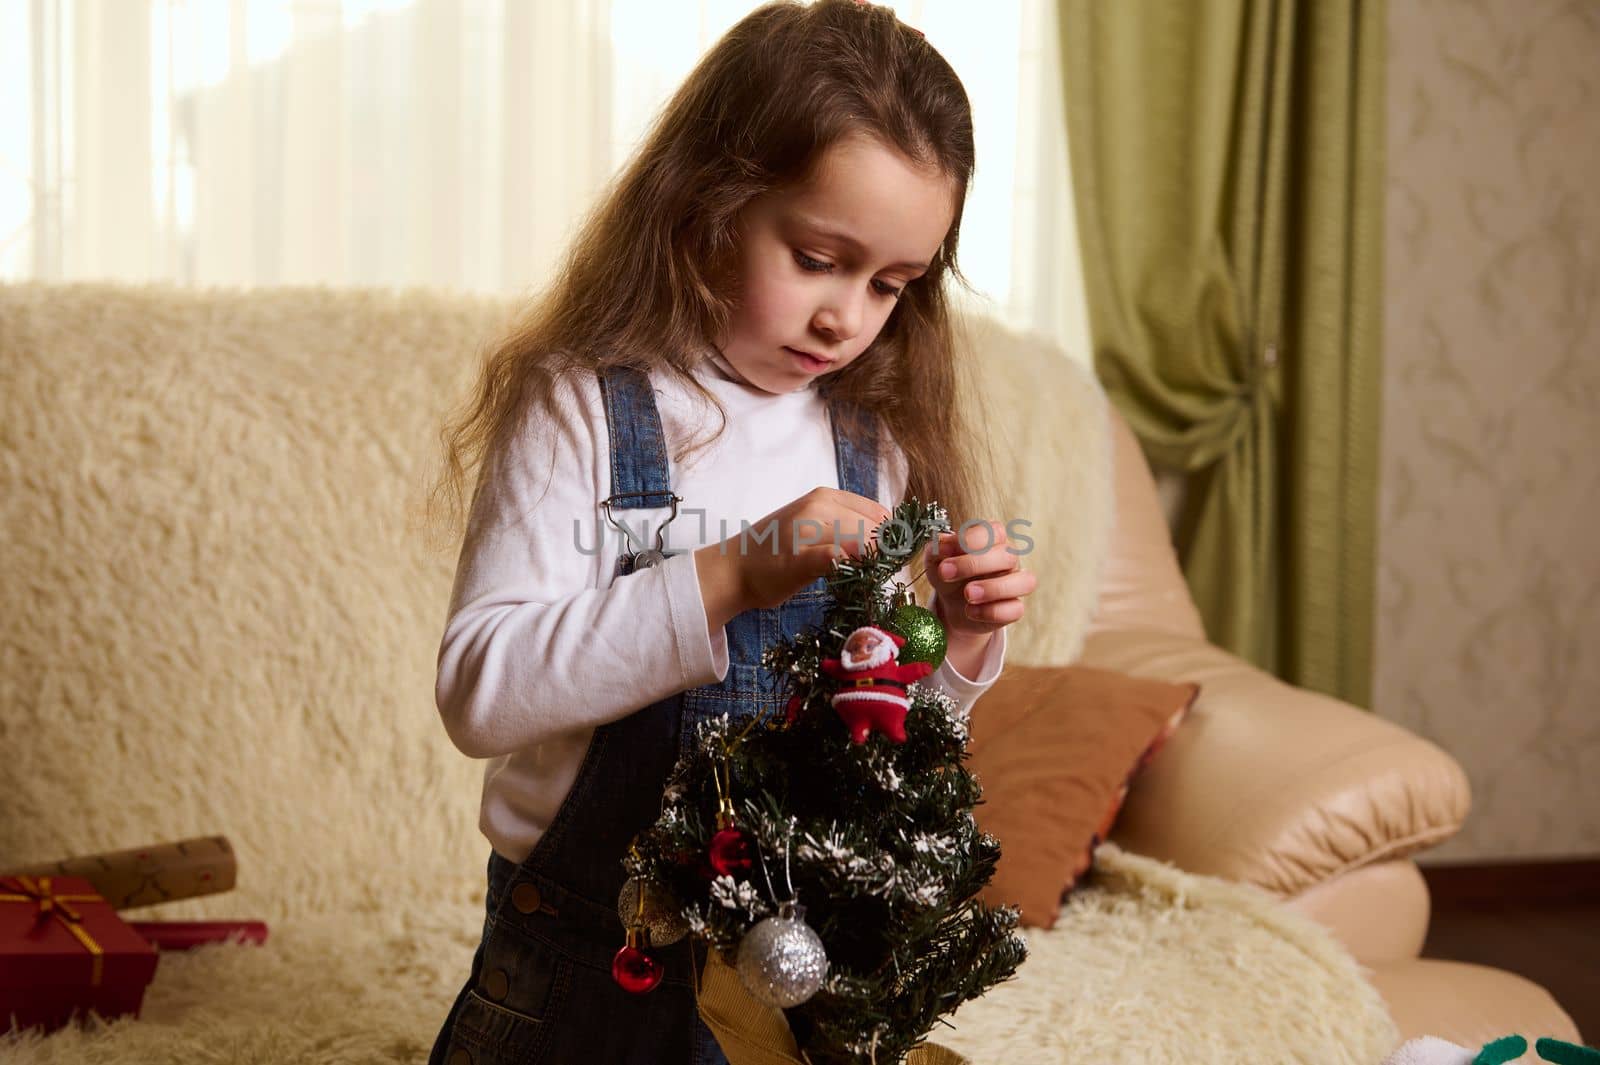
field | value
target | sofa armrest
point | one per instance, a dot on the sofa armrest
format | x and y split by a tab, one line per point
1272	785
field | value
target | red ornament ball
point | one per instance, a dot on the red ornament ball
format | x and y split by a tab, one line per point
636	971
729	852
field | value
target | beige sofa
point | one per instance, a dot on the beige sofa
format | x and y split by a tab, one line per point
221	619
1315	801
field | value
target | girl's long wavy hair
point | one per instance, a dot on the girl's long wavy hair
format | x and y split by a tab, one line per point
753	117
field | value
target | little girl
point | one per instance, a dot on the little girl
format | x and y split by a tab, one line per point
775	253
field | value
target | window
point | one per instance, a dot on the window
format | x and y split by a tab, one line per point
384	142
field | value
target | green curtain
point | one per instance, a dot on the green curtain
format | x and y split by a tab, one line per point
1227	158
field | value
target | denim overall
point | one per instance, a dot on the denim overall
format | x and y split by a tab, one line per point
540	988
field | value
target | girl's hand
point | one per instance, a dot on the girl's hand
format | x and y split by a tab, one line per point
785	551
979	584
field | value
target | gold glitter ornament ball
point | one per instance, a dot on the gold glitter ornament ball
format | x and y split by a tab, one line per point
925	637
781	960
661	914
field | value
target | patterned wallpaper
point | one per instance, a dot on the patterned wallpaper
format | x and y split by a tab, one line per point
1488	634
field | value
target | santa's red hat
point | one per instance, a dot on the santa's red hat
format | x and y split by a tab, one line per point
885	649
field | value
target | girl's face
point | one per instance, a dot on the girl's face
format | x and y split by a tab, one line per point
820	265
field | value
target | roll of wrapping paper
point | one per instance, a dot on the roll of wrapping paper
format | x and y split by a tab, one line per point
145	876
184	935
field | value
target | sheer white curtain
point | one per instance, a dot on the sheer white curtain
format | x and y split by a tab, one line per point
443	142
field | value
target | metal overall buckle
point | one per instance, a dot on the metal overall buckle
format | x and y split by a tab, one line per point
642	557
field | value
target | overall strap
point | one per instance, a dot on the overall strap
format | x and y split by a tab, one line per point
639	479
639	474
858	463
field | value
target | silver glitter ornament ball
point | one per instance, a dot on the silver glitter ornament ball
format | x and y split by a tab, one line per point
781	960
661	914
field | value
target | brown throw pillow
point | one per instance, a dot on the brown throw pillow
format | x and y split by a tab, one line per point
1055	749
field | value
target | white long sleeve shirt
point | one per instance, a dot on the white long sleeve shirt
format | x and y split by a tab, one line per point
527	665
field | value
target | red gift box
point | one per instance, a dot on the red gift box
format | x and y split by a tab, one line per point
64	950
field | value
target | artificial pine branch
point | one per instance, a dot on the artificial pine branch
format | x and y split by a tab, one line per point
883	850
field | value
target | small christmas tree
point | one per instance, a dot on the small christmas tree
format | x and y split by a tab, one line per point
830	853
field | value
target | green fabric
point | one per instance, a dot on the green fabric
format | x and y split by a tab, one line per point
1502	1050
1227	160
1563	1053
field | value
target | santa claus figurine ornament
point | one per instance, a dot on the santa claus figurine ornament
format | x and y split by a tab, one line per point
872	683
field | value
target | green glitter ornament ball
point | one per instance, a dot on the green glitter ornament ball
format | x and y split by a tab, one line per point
925	639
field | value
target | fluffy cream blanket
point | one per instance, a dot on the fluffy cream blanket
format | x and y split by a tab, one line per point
1147	964
220	619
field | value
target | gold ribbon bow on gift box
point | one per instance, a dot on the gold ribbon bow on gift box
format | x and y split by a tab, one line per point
752	1033
38	892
